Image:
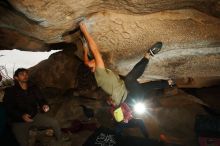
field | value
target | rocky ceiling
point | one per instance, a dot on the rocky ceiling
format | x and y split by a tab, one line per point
123	29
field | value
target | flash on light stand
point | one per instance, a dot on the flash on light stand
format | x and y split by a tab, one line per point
139	108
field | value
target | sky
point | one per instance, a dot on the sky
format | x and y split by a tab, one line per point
13	59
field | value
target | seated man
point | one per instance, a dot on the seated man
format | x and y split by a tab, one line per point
121	90
23	103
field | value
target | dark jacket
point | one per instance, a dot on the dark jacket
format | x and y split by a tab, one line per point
18	101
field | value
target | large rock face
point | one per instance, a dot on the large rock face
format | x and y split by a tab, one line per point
123	30
185	33
49	20
191	43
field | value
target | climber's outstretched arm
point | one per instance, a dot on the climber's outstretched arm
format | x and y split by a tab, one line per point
93	47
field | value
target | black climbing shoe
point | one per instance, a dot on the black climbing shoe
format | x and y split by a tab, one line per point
155	48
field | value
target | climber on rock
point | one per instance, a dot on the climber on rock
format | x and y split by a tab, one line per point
121	90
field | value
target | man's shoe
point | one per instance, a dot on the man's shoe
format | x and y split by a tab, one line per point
155	48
